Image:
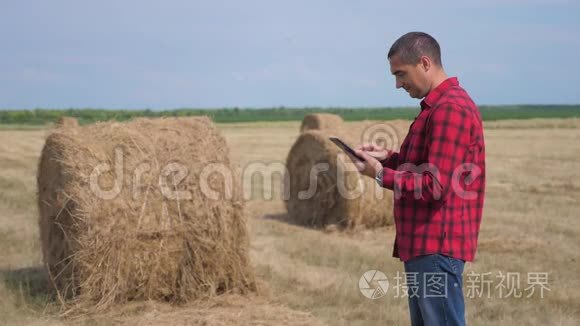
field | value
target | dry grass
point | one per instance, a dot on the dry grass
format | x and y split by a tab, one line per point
347	202
530	224
141	244
321	121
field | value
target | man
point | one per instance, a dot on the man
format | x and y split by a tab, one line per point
438	179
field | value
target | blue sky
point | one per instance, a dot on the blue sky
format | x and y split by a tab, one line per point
171	54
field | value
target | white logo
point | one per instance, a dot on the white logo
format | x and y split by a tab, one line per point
382	135
373	284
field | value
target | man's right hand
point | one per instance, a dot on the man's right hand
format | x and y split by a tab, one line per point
377	152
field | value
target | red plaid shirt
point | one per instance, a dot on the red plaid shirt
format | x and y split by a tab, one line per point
438	177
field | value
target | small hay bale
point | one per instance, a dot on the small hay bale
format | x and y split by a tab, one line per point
67	122
123	214
321	121
342	196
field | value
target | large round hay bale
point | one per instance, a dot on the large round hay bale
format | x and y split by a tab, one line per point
67	122
321	121
131	211
338	194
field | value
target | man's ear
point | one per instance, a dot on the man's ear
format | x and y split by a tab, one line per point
426	63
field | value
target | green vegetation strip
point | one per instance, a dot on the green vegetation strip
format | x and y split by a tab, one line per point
489	113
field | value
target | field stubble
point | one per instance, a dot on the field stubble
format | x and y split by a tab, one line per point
530	224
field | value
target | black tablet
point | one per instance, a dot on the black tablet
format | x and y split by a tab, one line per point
346	148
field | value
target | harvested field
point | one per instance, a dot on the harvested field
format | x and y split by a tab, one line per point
530	225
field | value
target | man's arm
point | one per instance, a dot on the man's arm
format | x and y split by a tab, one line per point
447	140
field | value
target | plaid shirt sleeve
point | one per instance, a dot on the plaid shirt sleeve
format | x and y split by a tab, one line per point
391	161
446	145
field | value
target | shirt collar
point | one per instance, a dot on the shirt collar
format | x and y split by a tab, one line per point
436	93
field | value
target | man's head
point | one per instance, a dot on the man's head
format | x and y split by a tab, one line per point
415	60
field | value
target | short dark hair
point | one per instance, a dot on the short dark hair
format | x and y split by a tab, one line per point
411	46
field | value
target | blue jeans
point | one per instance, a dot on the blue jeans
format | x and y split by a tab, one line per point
434	284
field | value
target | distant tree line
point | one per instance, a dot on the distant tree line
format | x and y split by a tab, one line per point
85	116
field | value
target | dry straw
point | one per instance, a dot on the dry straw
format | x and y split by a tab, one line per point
320	121
343	197
150	241
67	122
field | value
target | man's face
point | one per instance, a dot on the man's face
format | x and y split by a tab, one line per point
411	77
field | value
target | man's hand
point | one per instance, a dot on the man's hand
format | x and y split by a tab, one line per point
369	167
374	151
